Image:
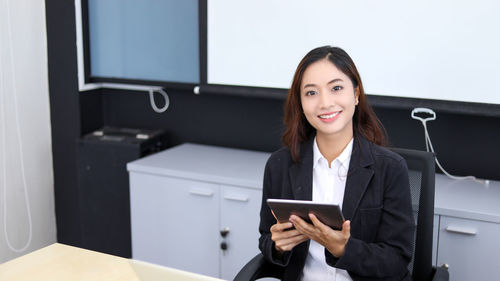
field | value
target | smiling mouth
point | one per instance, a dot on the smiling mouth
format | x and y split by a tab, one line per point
329	116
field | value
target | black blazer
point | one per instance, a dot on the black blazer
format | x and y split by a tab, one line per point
377	200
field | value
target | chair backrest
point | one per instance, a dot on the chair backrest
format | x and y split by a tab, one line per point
421	172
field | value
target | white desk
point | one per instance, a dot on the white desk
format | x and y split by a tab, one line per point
467	199
183	200
160	186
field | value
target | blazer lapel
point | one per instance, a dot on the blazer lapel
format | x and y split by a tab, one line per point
301	173
359	176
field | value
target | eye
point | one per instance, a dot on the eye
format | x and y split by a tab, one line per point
337	88
310	93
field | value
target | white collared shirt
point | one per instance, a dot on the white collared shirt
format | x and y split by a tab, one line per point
328	187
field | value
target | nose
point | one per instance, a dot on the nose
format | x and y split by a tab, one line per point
326	99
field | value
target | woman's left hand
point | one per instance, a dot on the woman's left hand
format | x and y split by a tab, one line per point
333	240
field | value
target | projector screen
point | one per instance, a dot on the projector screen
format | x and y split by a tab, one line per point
444	50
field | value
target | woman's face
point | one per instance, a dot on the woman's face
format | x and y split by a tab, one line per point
328	99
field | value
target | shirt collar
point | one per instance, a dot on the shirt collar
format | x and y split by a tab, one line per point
342	158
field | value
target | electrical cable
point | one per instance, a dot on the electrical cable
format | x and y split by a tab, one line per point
152	100
430	148
23	173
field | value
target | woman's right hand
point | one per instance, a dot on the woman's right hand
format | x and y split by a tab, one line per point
285	237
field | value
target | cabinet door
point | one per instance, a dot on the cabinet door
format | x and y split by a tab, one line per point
240	209
175	223
470	248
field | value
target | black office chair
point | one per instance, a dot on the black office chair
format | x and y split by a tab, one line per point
422	180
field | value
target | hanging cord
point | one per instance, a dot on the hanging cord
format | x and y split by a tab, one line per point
4	133
150	89
152	100
430	148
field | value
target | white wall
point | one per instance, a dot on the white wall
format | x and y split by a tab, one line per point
25	135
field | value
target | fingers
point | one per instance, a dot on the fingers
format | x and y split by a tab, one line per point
338	247
280	231
299	223
346	228
317	223
281	226
306	228
285	238
288	244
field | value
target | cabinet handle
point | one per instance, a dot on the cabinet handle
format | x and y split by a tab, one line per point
236	198
224	232
461	230
201	192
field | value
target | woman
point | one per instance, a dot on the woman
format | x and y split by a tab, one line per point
333	153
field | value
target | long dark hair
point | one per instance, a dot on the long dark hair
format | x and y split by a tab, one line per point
298	130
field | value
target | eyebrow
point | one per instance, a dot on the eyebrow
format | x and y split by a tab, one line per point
333	81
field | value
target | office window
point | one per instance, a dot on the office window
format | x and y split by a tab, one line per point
153	40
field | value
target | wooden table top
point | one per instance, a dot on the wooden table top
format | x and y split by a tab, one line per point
59	262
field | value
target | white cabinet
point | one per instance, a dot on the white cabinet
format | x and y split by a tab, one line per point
240	209
174	222
190	199
470	248
468	229
182	198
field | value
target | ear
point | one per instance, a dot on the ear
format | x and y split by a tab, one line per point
356	95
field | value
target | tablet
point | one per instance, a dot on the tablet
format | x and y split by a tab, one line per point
329	214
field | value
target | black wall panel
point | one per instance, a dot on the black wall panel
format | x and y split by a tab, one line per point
465	144
213	119
65	116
